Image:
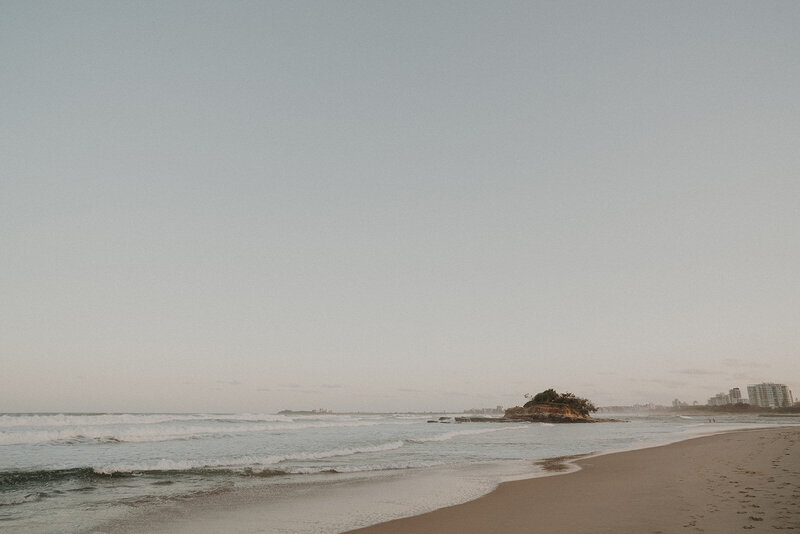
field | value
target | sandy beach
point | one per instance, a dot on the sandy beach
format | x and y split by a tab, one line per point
743	480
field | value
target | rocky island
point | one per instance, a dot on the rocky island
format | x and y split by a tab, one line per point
546	413
549	406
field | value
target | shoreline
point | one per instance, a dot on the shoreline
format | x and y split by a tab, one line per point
728	481
407	501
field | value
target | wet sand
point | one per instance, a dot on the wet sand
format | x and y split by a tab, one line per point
733	482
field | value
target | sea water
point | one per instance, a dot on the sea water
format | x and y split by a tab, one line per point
117	472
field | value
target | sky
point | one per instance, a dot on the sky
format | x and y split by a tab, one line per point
417	205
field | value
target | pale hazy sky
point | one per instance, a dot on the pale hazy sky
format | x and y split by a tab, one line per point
224	206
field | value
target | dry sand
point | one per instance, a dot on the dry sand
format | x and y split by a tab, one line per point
745	480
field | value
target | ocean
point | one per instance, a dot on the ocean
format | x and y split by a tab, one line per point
103	472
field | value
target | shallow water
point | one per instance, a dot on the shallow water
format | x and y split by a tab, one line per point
83	472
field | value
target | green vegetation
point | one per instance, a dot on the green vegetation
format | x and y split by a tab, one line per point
551	396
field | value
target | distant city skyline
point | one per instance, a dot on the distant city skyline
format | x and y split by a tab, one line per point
214	207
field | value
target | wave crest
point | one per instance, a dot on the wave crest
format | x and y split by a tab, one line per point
242	462
450	435
106	419
164	432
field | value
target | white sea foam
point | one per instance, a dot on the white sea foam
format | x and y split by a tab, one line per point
450	435
60	420
15	421
166	431
364	468
240	461
389	446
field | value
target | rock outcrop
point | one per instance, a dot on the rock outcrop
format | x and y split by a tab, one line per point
538	413
547	413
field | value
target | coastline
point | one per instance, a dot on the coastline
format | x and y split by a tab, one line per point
738	480
679	486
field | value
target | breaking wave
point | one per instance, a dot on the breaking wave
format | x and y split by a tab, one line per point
260	466
106	419
450	435
17	479
389	466
239	462
165	432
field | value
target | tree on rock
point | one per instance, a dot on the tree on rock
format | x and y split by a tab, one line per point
548	395
551	396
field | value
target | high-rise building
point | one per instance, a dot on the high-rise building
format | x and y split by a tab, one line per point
720	399
769	395
735	396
